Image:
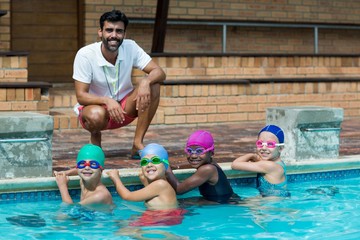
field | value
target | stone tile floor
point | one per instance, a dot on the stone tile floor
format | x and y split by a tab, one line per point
231	140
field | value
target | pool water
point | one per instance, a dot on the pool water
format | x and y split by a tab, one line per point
316	210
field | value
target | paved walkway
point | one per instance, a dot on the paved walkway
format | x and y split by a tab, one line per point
231	141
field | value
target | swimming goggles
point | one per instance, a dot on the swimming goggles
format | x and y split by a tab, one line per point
198	151
92	164
153	160
268	144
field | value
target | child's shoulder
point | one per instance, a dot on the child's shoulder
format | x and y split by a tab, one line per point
161	183
208	167
280	162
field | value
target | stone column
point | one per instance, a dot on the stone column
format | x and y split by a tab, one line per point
310	132
25	145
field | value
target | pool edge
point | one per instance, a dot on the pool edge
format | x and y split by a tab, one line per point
130	177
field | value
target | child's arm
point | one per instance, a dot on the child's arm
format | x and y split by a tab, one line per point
62	182
171	178
143	179
70	172
202	175
251	162
148	192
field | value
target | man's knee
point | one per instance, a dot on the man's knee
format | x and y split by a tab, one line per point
95	118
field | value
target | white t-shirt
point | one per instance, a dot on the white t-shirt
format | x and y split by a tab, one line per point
105	79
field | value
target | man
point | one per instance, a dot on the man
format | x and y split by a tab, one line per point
104	90
89	164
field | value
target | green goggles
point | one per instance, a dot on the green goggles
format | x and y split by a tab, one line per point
153	160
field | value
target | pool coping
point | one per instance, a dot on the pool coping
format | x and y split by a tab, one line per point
129	176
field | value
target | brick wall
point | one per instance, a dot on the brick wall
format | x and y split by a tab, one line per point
230	67
22	98
5	26
206	39
340	11
202	104
13	68
331	82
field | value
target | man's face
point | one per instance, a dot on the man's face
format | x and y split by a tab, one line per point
112	35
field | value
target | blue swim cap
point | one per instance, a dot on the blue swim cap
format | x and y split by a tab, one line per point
278	132
158	150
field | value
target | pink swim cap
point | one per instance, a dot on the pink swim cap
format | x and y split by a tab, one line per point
201	138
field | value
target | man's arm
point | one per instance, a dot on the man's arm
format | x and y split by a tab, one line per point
155	74
85	98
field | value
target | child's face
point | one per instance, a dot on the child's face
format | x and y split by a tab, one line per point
153	171
267	153
196	158
88	171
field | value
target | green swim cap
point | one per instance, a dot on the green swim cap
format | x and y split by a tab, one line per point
91	152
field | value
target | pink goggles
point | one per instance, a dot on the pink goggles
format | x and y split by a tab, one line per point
268	144
198	151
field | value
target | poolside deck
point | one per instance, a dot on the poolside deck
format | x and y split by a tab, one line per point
231	141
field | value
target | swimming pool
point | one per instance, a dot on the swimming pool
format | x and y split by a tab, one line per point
324	205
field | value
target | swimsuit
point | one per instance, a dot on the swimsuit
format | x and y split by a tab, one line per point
220	192
167	217
267	189
79	212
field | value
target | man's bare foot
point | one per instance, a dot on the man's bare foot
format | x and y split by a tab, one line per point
136	153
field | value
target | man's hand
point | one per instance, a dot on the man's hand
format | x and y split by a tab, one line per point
115	110
143	97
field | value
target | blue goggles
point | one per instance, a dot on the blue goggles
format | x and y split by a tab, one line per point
92	164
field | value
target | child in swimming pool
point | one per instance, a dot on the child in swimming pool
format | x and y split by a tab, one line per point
89	163
209	177
160	198
266	162
157	193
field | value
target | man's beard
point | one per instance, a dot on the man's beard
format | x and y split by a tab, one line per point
112	48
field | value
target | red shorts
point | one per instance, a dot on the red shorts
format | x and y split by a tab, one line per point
111	124
160	217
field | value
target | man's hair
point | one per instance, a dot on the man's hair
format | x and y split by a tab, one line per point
113	16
